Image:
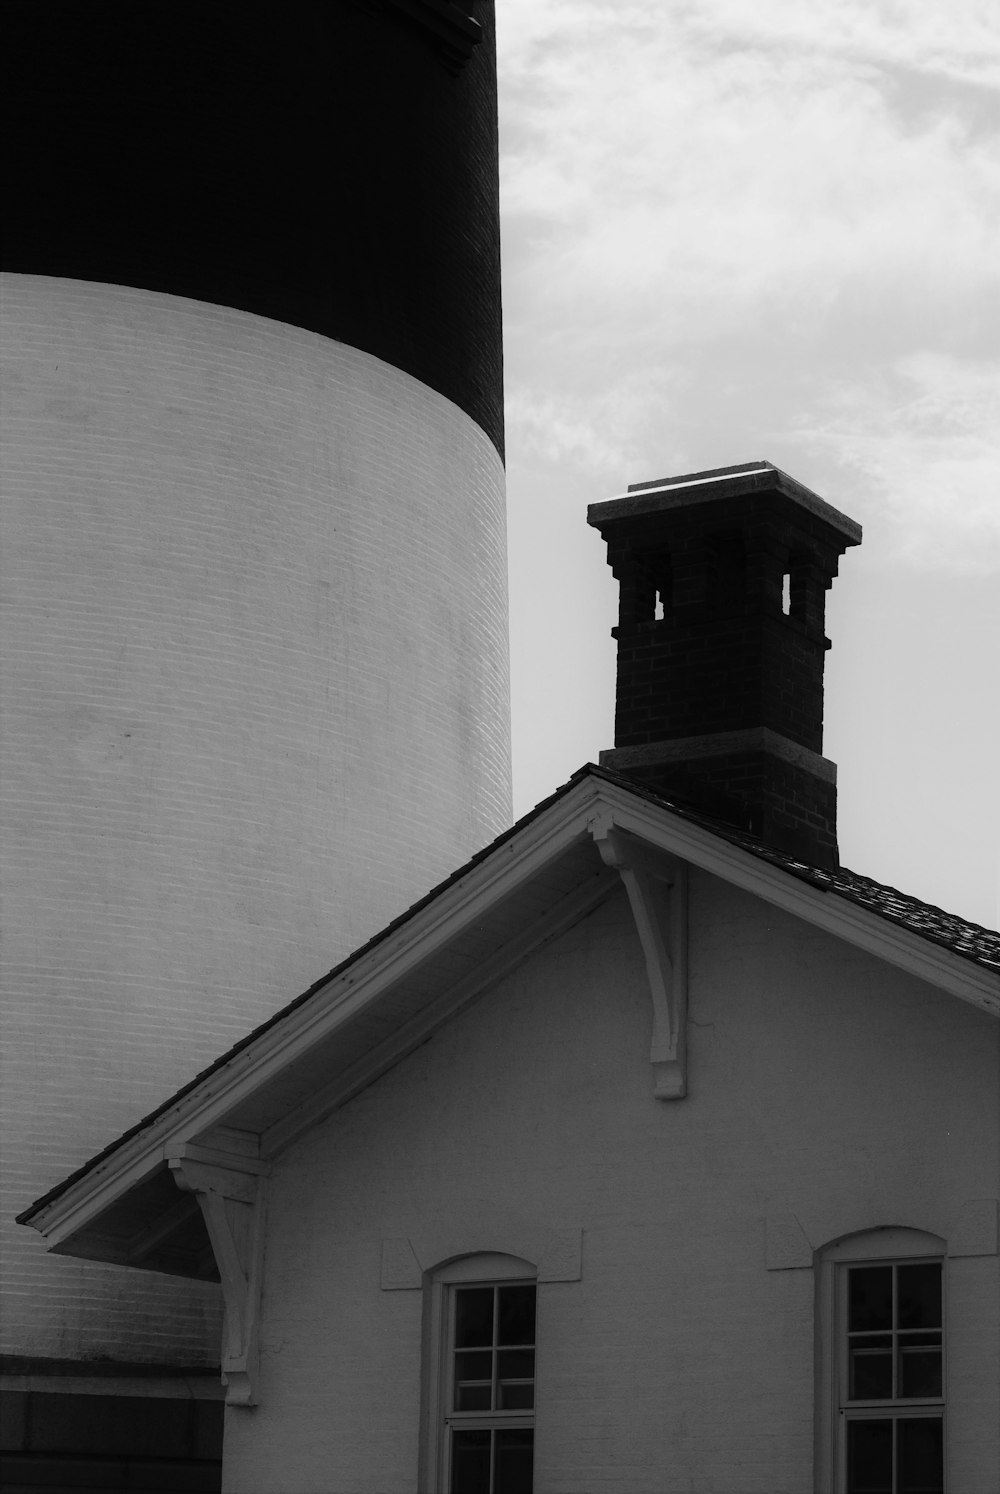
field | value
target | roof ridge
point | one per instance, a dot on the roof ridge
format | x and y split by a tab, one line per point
948	930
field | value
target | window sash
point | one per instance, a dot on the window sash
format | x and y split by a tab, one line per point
499	1473
895	1408
895	1403
878	1245
481	1419
893	1465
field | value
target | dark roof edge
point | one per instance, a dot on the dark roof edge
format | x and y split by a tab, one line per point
855	888
297	1001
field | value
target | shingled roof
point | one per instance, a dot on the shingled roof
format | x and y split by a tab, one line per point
971	941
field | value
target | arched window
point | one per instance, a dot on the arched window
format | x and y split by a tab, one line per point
881	1352
479	1424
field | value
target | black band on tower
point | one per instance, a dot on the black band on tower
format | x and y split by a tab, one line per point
206	151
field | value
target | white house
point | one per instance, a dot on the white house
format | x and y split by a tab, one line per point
652	1152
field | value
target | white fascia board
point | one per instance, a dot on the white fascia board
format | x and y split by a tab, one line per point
691	482
502	872
827	910
211	1102
432	1015
75	1209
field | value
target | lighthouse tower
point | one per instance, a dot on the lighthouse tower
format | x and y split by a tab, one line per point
254	648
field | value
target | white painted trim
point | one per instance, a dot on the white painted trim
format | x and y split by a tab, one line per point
238	1167
487	1268
228	1141
233	1205
557	1254
893	1243
691	482
509	867
657	895
826	910
504	870
82	1202
574	906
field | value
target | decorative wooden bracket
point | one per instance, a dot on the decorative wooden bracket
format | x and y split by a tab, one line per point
232	1200
656	885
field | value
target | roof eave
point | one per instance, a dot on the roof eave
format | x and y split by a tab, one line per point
207	1104
537	843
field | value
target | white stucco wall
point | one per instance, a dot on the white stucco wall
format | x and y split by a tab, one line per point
255	703
822	1083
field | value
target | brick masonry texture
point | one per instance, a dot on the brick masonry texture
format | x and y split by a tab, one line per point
780	803
823	1083
725	673
705	646
256	702
318	164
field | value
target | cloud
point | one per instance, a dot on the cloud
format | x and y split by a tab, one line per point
959	42
556	428
694	176
923	435
734	229
601	431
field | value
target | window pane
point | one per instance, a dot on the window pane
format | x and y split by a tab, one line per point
871	1369
516	1374
920	1455
920	1296
470	1462
870	1298
517	1364
474	1364
869	1457
514	1457
474	1380
517	1395
517	1315
919	1371
473	1397
473	1317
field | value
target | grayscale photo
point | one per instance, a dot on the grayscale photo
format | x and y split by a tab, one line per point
500	752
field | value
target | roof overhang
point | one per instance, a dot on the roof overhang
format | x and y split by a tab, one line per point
528	888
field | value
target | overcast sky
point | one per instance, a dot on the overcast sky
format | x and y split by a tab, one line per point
736	230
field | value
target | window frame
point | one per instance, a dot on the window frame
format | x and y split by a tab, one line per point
480	1270
879	1247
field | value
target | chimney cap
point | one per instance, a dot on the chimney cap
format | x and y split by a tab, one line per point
690	488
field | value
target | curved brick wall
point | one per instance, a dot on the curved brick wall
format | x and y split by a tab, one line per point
255	689
331	165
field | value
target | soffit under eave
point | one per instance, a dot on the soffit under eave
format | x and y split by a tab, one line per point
152	1226
437	988
240	1089
494	905
801	895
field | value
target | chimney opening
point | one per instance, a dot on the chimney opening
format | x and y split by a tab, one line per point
662	577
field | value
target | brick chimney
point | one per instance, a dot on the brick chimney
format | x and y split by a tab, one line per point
723	578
